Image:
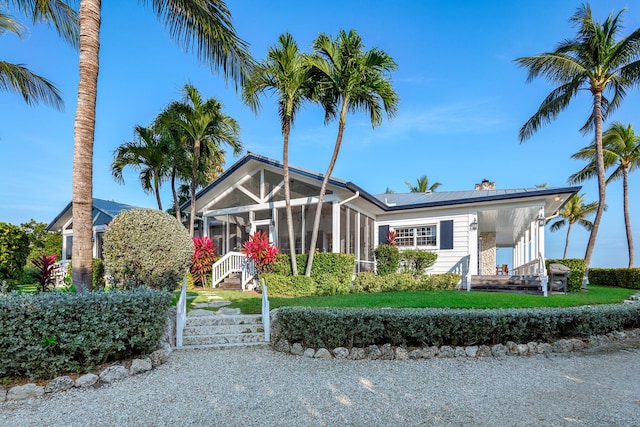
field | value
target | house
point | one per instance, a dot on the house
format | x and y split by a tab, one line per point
103	213
463	227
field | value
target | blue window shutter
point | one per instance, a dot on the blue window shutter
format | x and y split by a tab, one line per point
446	234
383	232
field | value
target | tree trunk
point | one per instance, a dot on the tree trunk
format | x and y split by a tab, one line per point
566	243
627	220
287	195
602	185
156	187
176	204
194	184
83	137
323	189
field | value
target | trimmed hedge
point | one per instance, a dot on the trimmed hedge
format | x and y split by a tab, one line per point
577	266
42	335
618	277
330	275
369	282
387	259
292	286
352	327
417	261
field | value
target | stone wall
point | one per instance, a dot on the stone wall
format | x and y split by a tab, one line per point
488	253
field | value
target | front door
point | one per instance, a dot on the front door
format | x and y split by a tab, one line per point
265	226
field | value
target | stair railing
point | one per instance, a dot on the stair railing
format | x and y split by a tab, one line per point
181	313
233	262
266	316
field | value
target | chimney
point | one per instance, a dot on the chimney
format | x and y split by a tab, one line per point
486	185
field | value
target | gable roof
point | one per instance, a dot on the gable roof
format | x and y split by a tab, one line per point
107	208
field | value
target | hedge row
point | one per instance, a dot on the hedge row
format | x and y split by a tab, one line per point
369	282
620	277
339	265
44	334
299	286
352	327
577	266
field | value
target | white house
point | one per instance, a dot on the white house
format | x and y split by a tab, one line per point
463	227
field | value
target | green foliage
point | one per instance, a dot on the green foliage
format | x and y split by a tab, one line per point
289	285
619	277
340	266
417	261
97	274
387	259
42	242
577	266
147	247
369	283
14	249
352	327
42	335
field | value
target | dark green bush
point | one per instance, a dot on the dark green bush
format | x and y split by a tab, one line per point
42	335
620	277
577	266
97	274
147	247
351	327
328	284
295	286
387	259
331	272
369	282
417	261
14	249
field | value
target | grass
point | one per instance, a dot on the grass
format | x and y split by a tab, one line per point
251	303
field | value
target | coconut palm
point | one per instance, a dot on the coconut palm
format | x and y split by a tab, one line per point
206	127
621	150
349	79
574	212
147	154
19	79
422	185
595	62
284	73
203	26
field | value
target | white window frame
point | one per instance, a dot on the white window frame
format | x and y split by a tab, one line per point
414	236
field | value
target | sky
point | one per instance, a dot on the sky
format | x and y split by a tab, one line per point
462	102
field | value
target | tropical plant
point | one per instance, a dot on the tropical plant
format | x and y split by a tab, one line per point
46	267
14	249
206	127
348	79
595	62
147	154
574	212
285	73
203	26
18	78
204	255
261	251
422	185
621	150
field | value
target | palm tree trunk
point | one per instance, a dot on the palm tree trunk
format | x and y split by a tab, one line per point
566	243
83	137
194	184
156	187
176	204
323	188
287	196
627	220
602	185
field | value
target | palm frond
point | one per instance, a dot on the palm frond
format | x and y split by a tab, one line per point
32	87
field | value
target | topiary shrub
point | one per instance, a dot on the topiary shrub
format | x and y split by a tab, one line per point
577	266
417	261
387	259
147	247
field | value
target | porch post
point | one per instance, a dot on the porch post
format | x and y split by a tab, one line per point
335	227
541	237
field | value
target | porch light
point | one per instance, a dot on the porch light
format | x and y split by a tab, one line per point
541	220
474	225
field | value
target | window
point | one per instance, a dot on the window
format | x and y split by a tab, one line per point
424	235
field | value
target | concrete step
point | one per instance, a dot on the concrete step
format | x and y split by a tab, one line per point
222	339
240	319
250	328
224	346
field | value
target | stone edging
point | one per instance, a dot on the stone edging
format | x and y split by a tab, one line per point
388	352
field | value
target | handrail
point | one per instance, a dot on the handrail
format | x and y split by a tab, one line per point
266	316
233	262
532	268
181	313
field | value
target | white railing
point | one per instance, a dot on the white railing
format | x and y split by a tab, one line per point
60	271
266	316
532	268
233	262
181	313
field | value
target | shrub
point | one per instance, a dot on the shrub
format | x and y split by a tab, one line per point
45	268
387	259
577	266
369	282
620	277
339	265
353	327
295	286
14	249
44	334
204	255
328	284
97	274
261	251
418	261
147	247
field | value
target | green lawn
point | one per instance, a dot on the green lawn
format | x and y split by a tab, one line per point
251	302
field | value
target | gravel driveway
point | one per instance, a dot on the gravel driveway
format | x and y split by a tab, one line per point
259	387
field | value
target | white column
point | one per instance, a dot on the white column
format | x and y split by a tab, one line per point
335	227
541	236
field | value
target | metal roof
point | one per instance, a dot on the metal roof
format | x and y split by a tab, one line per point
108	207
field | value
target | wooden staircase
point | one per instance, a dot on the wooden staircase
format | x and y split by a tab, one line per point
517	284
233	282
212	330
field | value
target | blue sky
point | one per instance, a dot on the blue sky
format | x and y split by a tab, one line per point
462	102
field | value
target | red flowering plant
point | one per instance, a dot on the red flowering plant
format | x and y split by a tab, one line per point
392	235
204	255
261	250
46	267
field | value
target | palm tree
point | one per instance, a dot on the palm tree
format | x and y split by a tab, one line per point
147	153
575	211
206	128
18	78
349	80
593	61
285	73
422	185
202	26
621	149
